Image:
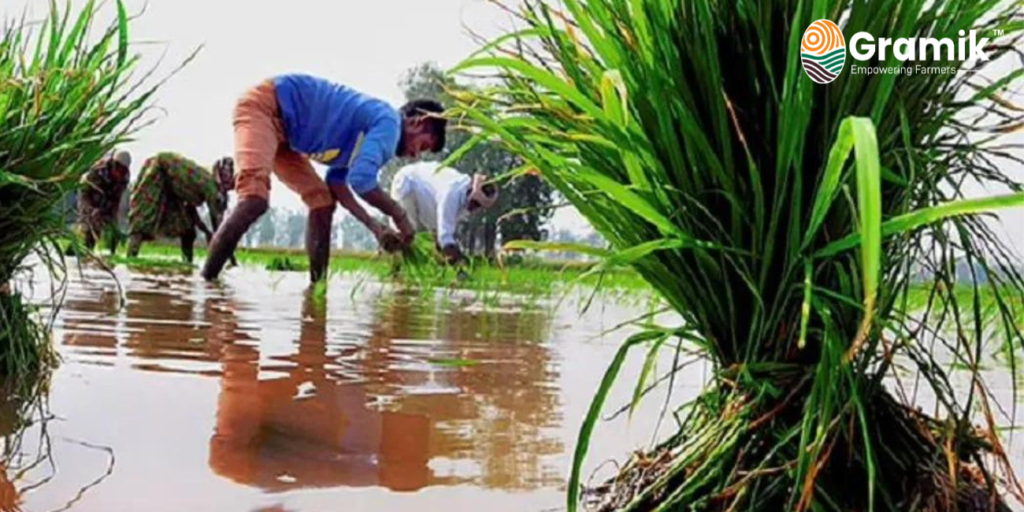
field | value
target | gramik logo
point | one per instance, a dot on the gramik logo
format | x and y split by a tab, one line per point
823	52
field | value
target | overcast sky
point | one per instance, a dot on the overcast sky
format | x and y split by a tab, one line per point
364	44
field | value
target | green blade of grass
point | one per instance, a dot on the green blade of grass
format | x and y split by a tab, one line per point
909	222
594	413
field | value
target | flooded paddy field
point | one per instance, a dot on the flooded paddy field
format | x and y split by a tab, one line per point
262	394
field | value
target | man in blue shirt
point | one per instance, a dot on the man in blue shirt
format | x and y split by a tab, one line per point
284	123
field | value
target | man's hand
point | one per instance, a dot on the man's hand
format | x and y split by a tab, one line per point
388	239
388	206
206	232
452	254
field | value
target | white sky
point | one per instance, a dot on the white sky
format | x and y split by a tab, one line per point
365	44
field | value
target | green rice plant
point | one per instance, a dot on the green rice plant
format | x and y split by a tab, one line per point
286	264
27	349
786	222
67	98
420	262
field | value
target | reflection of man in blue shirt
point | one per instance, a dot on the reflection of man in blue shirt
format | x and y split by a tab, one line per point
286	122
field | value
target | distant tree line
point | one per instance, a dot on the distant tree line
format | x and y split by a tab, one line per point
285	228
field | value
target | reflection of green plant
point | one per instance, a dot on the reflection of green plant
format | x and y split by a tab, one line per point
319	295
22	405
65	102
455	362
689	136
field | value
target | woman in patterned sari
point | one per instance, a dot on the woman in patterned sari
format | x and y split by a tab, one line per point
165	199
100	199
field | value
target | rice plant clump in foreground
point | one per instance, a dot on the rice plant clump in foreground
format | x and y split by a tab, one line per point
66	99
786	222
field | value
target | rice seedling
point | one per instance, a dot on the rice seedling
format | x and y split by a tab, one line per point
286	264
786	222
67	98
533	276
420	262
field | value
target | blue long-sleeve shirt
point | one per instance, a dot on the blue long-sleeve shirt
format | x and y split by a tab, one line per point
354	134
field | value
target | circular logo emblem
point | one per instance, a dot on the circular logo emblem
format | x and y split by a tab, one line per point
823	51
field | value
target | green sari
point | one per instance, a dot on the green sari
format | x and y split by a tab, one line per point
165	199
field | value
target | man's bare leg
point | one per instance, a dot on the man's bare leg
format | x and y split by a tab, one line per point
113	235
134	245
188	242
88	238
230	233
318	241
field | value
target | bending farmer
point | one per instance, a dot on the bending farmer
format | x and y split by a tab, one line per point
436	199
167	195
99	198
284	123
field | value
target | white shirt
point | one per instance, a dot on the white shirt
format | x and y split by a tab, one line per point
434	198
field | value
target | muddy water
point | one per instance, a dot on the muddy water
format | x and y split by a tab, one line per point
258	395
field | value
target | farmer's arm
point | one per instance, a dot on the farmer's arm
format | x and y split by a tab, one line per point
216	208
214	219
197	221
89	190
344	196
378	147
112	207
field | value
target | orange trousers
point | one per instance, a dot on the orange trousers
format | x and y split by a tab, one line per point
261	148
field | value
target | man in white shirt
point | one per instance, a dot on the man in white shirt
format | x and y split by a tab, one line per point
436	198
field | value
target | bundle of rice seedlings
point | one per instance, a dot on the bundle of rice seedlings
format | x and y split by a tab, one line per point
786	221
66	100
419	261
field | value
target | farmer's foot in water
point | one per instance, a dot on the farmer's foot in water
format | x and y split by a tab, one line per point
88	241
318	242
230	232
188	248
134	246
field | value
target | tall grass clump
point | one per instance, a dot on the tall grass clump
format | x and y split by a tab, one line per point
67	98
786	221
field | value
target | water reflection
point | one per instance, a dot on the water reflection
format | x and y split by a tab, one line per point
86	321
421	402
393	388
494	412
255	389
21	406
306	428
165	331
